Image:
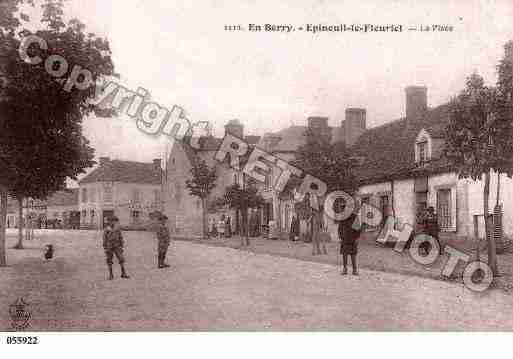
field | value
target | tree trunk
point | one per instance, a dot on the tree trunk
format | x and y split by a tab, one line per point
204	217
492	253
3	215
19	245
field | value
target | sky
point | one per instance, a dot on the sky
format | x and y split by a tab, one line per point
181	53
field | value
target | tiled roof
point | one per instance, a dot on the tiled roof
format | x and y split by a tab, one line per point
124	171
67	197
388	150
290	139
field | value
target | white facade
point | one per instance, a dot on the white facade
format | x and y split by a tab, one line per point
130	202
465	200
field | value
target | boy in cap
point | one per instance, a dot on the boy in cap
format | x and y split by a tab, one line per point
113	245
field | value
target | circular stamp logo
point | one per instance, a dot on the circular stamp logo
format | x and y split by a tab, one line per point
20	314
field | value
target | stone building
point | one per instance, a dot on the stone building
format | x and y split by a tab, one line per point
126	189
184	210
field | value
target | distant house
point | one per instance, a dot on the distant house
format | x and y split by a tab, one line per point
12	213
126	189
62	209
404	167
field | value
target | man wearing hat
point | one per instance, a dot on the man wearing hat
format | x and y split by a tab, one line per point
164	239
431	228
113	245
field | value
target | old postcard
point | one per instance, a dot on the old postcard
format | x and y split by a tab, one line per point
294	166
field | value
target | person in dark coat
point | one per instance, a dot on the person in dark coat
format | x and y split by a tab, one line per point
164	239
430	226
294	228
113	244
349	242
228	229
253	224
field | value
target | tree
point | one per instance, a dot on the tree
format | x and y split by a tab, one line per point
478	141
41	137
242	199
331	163
201	185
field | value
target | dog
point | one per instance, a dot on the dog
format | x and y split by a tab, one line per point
48	252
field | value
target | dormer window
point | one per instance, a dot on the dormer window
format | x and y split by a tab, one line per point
423	147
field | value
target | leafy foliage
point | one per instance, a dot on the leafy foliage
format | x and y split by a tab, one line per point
243	198
41	137
40	132
331	163
478	135
203	179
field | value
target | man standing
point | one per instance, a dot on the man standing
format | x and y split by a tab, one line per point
164	239
431	228
349	241
113	245
221	226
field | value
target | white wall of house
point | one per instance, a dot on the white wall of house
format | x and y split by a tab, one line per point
183	210
475	203
89	202
123	202
466	200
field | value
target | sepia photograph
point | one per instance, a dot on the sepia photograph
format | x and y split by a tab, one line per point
226	166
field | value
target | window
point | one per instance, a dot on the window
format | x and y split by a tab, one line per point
136	195
267	183
135	216
423	145
107	193
84	195
92	215
422	150
92	194
84	213
235	179
443	200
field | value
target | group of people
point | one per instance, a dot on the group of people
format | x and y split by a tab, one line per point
223	227
348	233
113	244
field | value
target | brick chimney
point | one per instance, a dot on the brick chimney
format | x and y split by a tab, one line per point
157	163
319	126
416	102
354	124
104	160
235	128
